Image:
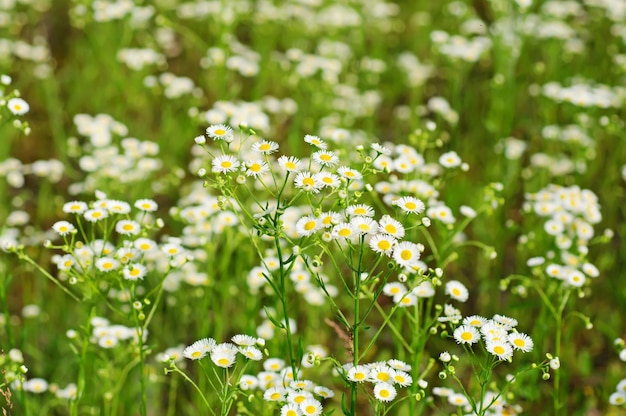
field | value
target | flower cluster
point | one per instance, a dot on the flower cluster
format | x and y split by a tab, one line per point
386	376
499	335
224	354
570	214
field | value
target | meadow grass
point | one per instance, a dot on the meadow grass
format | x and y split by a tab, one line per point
310	207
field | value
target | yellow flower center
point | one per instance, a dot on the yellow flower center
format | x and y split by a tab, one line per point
308	181
406	254
519	342
498	349
226	164
384	393
345	232
390	228
196	354
410	205
384	245
309	225
223	361
466	336
275	396
219	132
128	227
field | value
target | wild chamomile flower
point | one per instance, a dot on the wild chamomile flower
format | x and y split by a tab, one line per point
575	278
244	340
330	218
324	392
520	341
385	392
251	353
146	205
256	167
493	331
555	270
466	334
275	394
343	230
307	182
500	349
441	213
457	291
108	341
457	399
590	270
394	288
406	254
390	226
95	215
327	179
410	204
225	164
117	207
265	146
424	289
382	244
224	355
617	398
290	409
507	322
378	148
220	132
127	227
75	207
35	385
274	364
18	106
315	141
134	272
65	262
290	163
144	244
364	225
349	173
63	228
398	365
199	349
401	378
107	264
171	249
358	374
450	160
298	396
384	163
325	157
307	226
405	300
360	209
475	321
248	382
311	407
